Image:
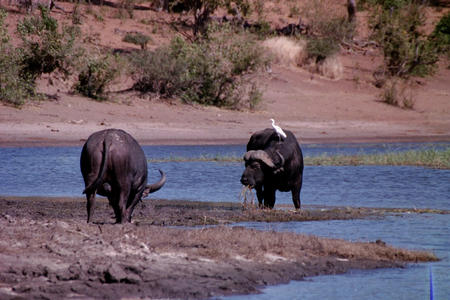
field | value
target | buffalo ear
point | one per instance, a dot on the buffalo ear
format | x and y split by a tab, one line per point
282	160
280	165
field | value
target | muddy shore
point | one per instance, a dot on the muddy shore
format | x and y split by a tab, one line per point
47	250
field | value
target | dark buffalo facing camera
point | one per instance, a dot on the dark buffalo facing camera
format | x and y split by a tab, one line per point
114	165
273	164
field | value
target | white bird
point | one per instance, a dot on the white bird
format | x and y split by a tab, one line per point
278	130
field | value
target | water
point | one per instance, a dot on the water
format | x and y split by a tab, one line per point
421	232
54	171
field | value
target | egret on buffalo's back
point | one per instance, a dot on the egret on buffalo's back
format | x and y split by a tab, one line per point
278	130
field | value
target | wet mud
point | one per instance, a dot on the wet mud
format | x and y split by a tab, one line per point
47	251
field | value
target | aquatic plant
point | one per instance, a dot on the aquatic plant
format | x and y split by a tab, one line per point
439	159
432	158
247	197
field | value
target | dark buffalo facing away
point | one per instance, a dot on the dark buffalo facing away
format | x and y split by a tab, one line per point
272	164
114	165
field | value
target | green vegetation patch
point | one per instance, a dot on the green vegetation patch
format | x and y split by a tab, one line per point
327	30
407	51
432	158
45	47
441	35
14	89
96	75
213	70
137	38
439	159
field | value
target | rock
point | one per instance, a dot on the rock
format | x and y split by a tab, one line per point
116	273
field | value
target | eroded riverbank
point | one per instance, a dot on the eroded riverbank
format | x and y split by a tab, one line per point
47	250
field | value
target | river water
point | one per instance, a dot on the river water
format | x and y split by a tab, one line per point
54	171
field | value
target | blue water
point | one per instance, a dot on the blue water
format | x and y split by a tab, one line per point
421	232
54	171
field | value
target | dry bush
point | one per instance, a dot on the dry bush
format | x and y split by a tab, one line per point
286	51
331	67
291	52
398	92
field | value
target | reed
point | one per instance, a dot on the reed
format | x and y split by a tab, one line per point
432	158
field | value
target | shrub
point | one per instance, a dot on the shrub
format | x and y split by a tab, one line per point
95	76
13	88
202	10
160	71
294	11
331	67
406	51
321	48
126	7
441	34
286	51
254	96
392	4
137	38
210	71
261	28
76	14
395	93
386	4
45	48
327	29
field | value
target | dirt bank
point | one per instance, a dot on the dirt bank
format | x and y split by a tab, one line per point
316	110
48	251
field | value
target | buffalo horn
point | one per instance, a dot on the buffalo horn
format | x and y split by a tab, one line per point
259	155
155	186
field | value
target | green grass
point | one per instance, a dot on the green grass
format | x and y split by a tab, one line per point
431	158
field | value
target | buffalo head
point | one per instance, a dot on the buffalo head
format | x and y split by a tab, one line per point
258	164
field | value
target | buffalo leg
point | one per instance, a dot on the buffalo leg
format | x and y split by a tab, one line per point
90	197
260	196
132	204
122	215
114	203
296	197
269	197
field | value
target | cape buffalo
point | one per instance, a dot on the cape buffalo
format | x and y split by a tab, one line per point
271	164
114	165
